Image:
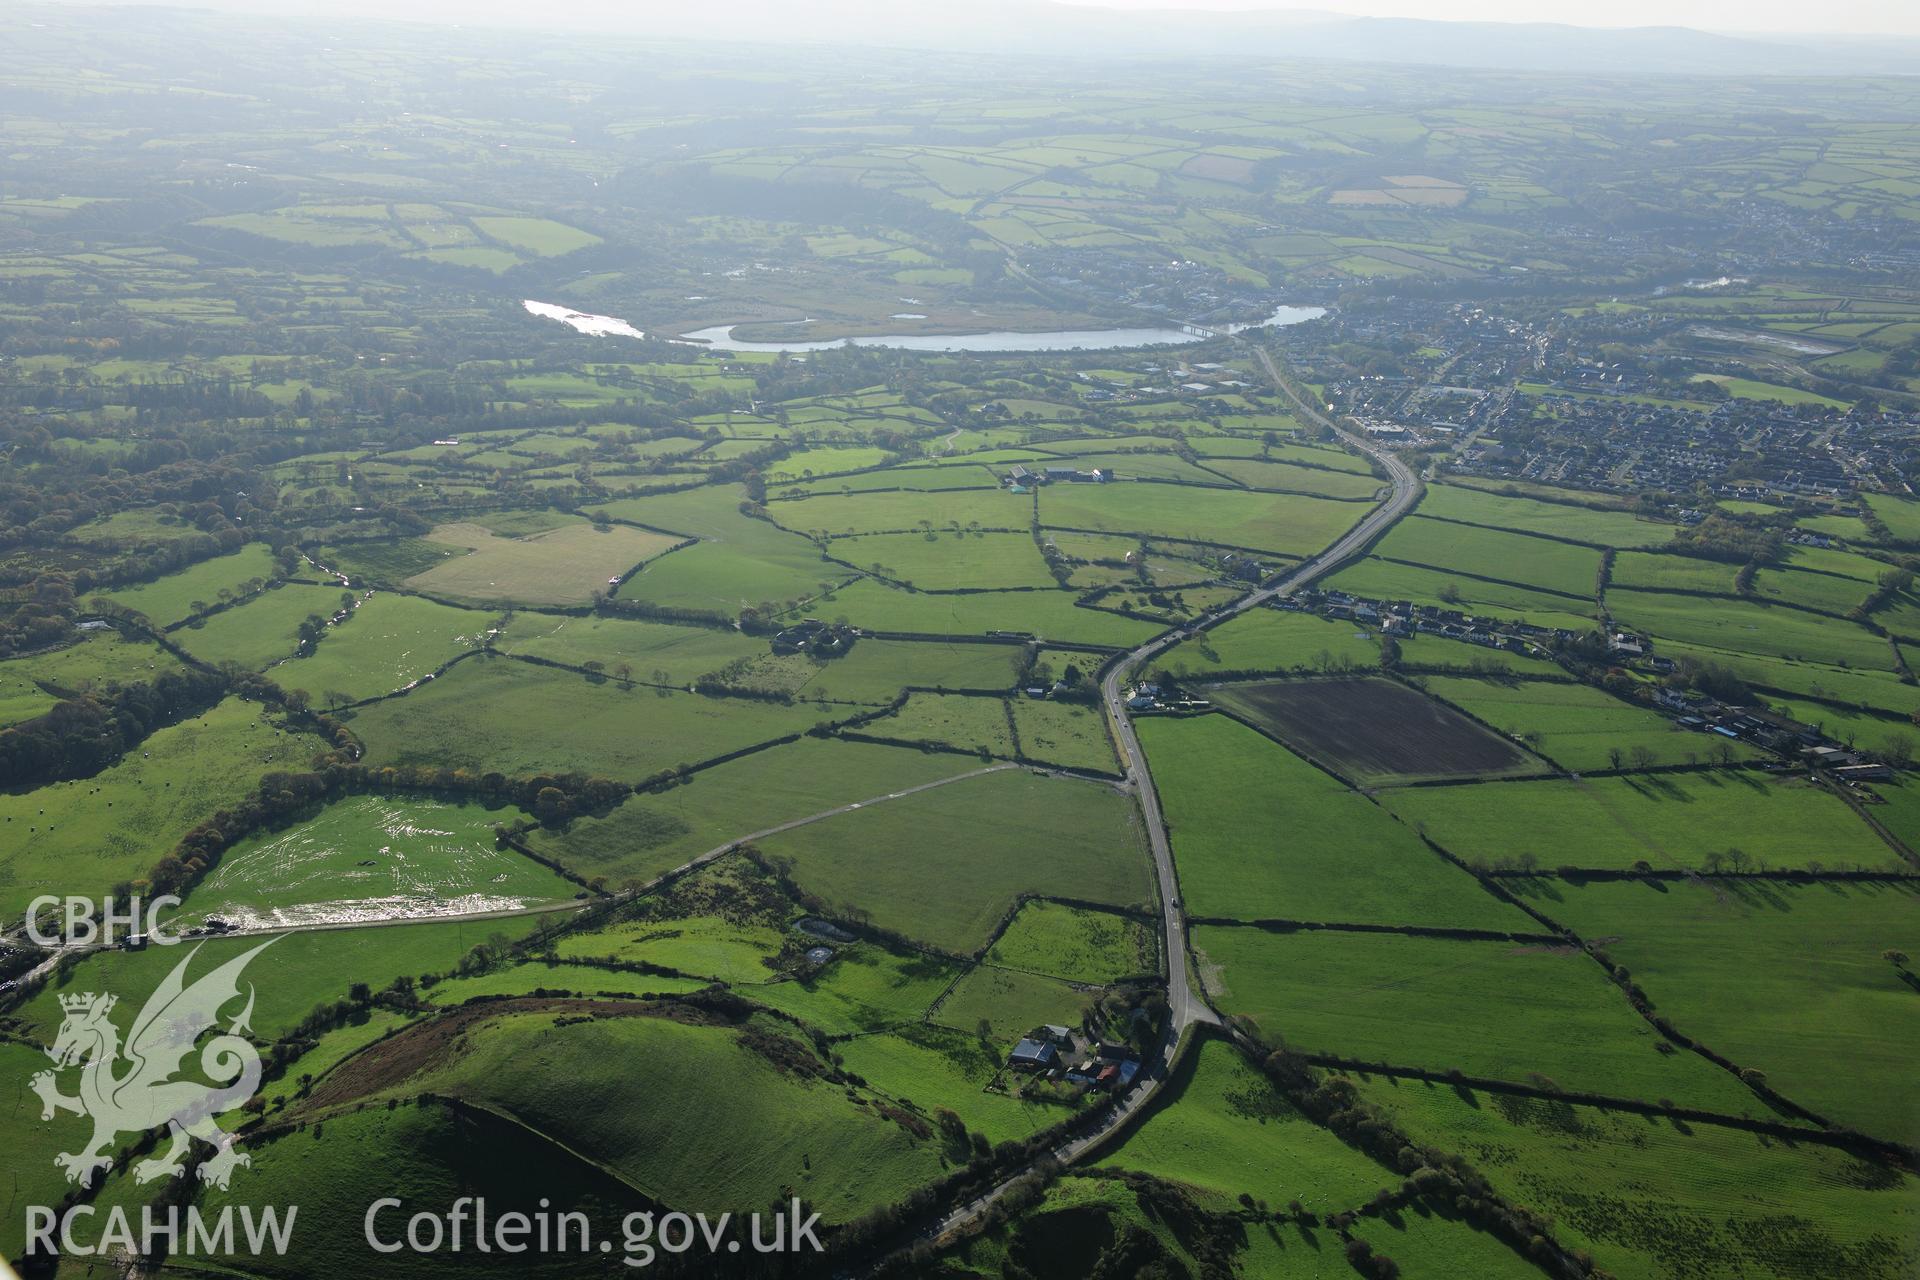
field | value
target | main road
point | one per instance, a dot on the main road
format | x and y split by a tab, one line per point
1186	1007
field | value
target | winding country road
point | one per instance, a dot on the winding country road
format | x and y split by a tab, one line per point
1187	1007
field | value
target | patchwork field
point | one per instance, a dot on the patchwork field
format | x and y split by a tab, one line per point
260	632
1492	1009
557	566
1577	726
84	837
388	642
923	865
1270	640
1659	1201
562	721
1075	944
1258	833
1489	553
1789	978
1225	1129
1283	524
657	831
1673	821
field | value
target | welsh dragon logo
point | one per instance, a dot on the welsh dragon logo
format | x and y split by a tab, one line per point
130	1088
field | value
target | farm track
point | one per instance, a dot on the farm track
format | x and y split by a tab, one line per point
1187	1008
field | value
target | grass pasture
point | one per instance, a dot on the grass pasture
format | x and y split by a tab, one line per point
1225	1130
1006	1004
1684	821
1493	1009
558	566
169	599
1378	579
1258	833
562	721
1270	640
1596	525
1789	978
1656	1201
1492	553
942	561
656	831
1075	944
260	632
1576	725
861	990
657	1130
1282	524
1750	626
390	641
1064	733
31	685
946	866
82	837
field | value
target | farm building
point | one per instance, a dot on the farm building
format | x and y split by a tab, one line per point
1033	1055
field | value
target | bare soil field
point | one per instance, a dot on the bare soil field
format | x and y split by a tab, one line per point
1370	730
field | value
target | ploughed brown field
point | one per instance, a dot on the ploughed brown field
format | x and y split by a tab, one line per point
1371	730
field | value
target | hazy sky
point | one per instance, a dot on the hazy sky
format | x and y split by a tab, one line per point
1900	17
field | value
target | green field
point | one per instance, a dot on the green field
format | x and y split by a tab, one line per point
557	566
739	561
1655	1200
562	721
1076	944
1424	1243
294	973
1642	570
1490	553
260	632
929	1067
1258	833
1376	579
1604	528
1751	627
861	990
947	511
94	661
1048	615
1225	1129
1270	640
943	561
169	599
84	837
1489	1009
974	725
1064	733
1283	524
927	867
428	1153
1576	726
390	641
1788	978
1673	821
1003	1005
654	832
776	1128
